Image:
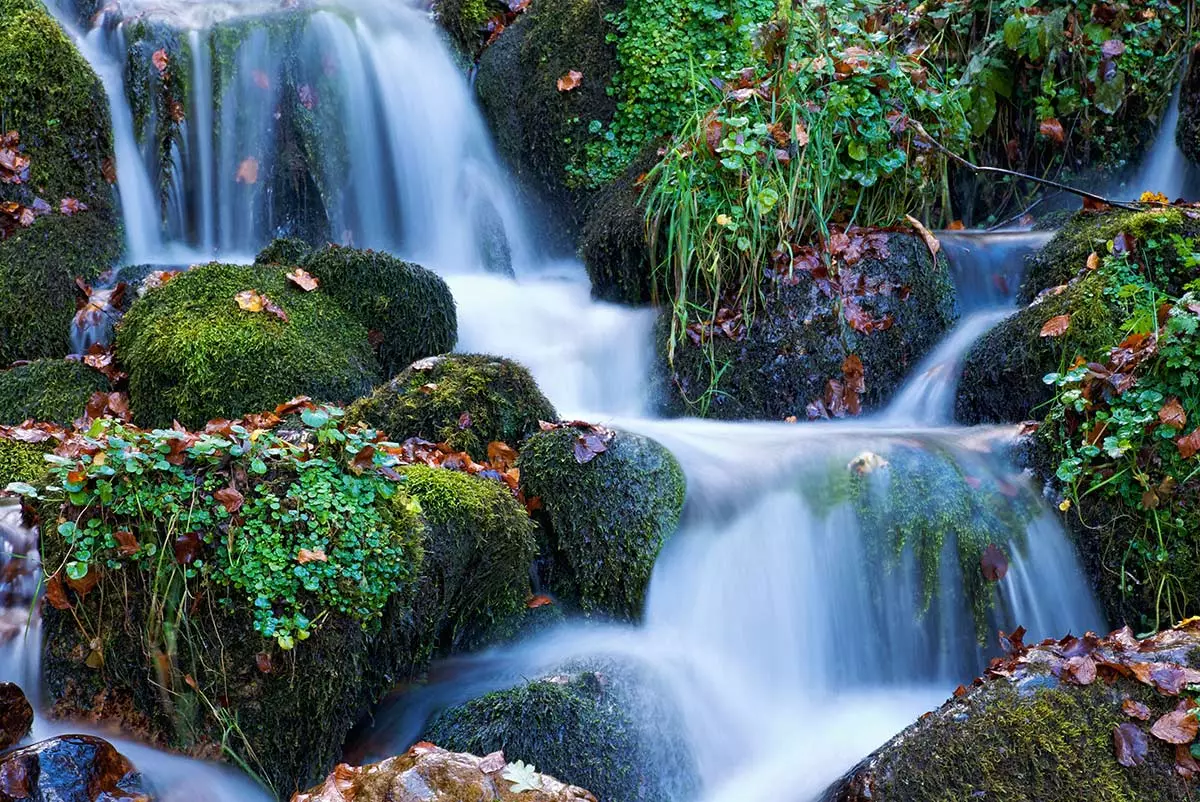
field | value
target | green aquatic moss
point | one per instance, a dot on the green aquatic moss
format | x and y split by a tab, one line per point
498	397
48	390
55	102
193	355
38	268
607	518
21	462
408	308
479	548
284	251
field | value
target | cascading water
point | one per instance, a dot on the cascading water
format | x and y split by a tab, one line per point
776	625
1166	169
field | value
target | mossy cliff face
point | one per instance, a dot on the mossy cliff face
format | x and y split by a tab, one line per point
409	310
800	341
193	354
479	548
603	727
605	520
49	390
464	400
1039	732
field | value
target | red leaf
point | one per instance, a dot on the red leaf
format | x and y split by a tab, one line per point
127	544
1130	745
263	661
1189	445
1080	670
187	548
56	593
993	563
538	601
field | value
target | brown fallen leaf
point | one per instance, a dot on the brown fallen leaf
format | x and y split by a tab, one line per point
570	81
1176	727
1189	445
1135	709
230	499
247	172
934	246
1052	129
1080	670
993	563
1172	414
1056	326
311	556
1093	261
250	300
1130	745
127	544
538	601
304	280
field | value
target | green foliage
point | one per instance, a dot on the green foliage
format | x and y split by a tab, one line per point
38	268
21	462
498	397
284	251
1123	429
478	551
193	355
608	517
665	50
408	308
308	532
48	390
55	102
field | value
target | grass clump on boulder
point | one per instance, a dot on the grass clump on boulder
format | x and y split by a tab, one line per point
48	390
194	354
606	517
464	400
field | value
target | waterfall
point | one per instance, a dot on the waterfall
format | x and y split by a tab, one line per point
1166	169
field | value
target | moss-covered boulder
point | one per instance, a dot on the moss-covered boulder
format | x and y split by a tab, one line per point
605	515
466	23
614	245
605	727
1052	723
784	360
464	400
479	549
21	462
541	131
408	310
49	390
193	353
284	251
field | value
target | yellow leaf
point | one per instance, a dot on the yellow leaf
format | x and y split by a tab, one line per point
250	301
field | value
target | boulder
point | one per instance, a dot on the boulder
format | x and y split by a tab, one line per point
614	244
49	390
783	361
1080	718
426	773
287	251
602	727
16	715
609	501
408	310
466	23
464	400
1187	132
193	354
19	461
71	768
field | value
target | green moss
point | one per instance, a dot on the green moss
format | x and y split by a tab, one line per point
192	354
38	268
607	519
582	727
21	462
1008	744
1002	379
284	251
153	94
613	243
499	398
478	552
409	308
49	390
466	22
55	102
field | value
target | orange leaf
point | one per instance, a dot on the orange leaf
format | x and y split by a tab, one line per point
161	61
1172	414
311	556
250	300
230	499
1188	446
1177	727
570	81
303	280
1093	262
926	234
1056	326
247	172
1052	129
538	601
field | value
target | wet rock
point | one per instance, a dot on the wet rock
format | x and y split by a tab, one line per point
70	768
799	342
1051	723
16	715
1187	133
613	243
605	513
427	773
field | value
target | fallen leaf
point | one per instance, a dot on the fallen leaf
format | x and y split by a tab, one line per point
127	544
1051	128
161	61
1056	326
1080	670
1172	414
492	763
247	172
1189	445
1093	261
570	81
993	563
523	777
308	97
1135	709
501	455
311	556
304	280
1176	727
263	661
249	301
1130	745
538	601
56	592
230	499
926	234
70	206
464	421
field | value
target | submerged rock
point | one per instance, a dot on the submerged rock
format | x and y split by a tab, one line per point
609	501
48	390
783	360
194	354
70	768
464	400
1080	718
16	715
426	773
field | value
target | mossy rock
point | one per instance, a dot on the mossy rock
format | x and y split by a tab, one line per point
193	355
49	390
479	547
539	130
603	728
466	23
1029	737
21	462
1187	132
799	342
409	309
152	93
498	397
288	251
1002	380
38	268
1066	255
605	520
614	244
54	100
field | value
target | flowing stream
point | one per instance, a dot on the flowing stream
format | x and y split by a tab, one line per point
787	647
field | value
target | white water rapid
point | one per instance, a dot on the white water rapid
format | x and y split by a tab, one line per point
787	649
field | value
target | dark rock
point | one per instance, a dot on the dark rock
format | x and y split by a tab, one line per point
614	244
16	715
1187	133
70	768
